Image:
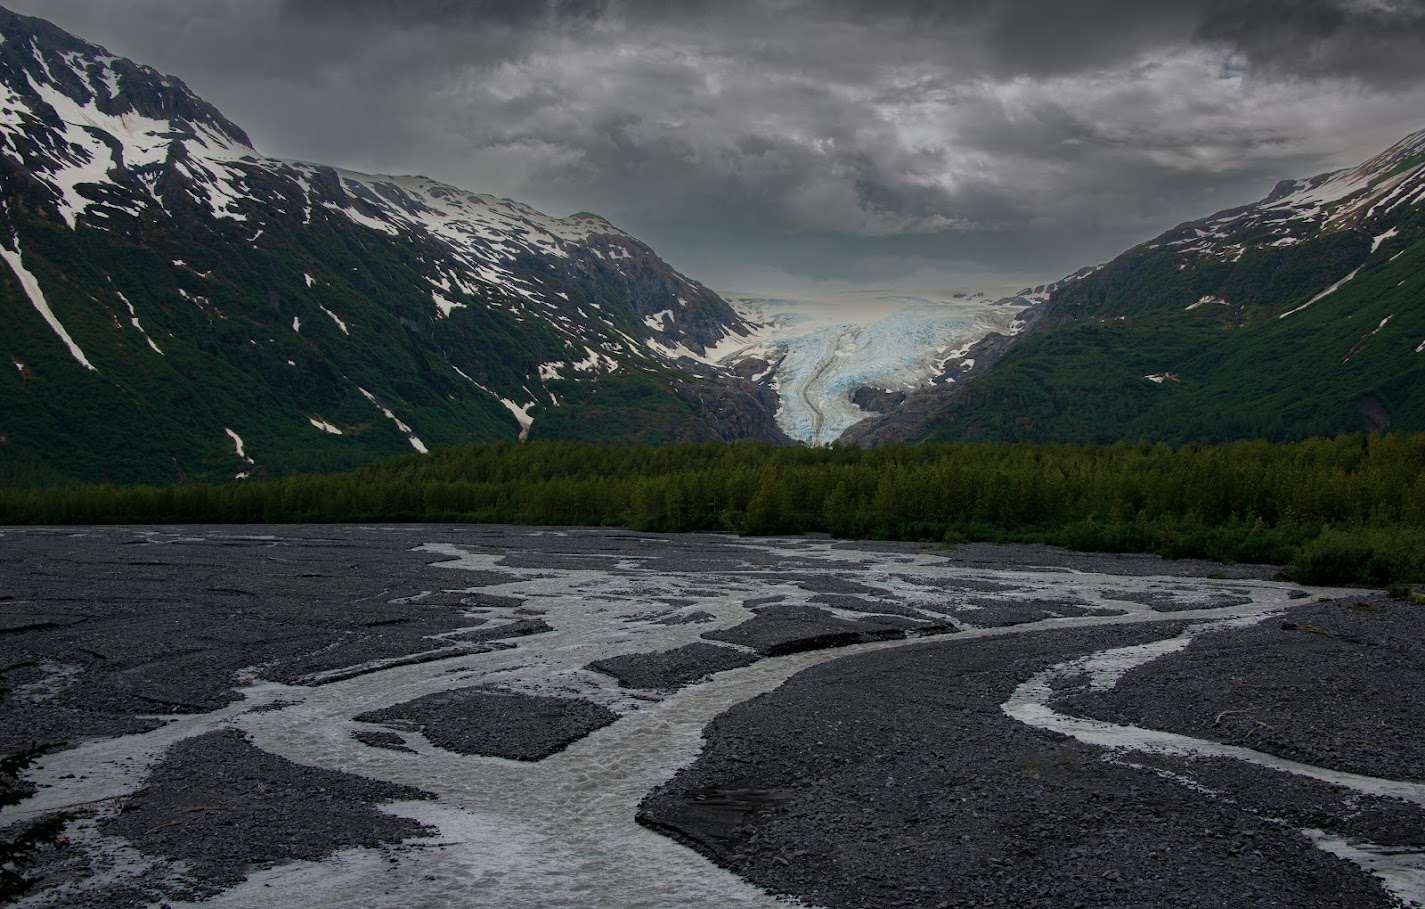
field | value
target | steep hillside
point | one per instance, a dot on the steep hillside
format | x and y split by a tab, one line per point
1301	315
180	306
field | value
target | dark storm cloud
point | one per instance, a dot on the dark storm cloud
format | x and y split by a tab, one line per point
1380	40
837	139
512	13
1372	38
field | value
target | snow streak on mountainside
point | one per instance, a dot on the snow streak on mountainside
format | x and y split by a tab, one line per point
172	261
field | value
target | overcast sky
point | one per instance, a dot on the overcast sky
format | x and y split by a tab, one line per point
782	144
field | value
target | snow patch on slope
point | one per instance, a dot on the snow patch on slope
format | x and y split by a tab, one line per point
37	297
337	319
520	412
411	437
134	318
1376	243
1323	295
238	445
521	415
445	306
595	362
241	451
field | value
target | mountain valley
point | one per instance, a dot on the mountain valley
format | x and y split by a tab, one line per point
182	307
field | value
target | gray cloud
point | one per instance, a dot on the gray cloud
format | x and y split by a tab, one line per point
445	12
791	140
1369	38
1378	40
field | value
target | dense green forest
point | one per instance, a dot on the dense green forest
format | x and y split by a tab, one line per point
1349	509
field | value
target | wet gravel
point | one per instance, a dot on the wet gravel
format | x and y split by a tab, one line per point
780	630
894	779
1336	684
517	629
380	738
520	727
1180	600
997	555
144	622
225	808
882	779
1004	614
672	669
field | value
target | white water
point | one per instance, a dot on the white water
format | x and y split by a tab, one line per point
561	832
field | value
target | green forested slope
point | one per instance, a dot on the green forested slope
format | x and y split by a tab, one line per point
230	357
1240	369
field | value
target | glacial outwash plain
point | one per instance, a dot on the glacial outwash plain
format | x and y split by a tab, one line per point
492	716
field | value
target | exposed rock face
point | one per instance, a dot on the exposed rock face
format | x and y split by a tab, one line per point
735	408
877	400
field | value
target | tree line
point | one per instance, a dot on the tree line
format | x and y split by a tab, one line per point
1348	509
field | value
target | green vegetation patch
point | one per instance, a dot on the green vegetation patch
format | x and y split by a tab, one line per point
1345	510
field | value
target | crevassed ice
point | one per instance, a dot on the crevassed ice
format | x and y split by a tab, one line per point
830	347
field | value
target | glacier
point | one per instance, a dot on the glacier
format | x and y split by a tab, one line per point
826	347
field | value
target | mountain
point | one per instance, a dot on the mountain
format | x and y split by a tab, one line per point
1300	315
180	306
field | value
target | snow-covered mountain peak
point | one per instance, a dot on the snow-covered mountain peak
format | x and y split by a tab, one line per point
443	208
37	55
1393	175
102	132
1369	197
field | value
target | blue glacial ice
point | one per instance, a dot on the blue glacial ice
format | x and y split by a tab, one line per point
830	347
